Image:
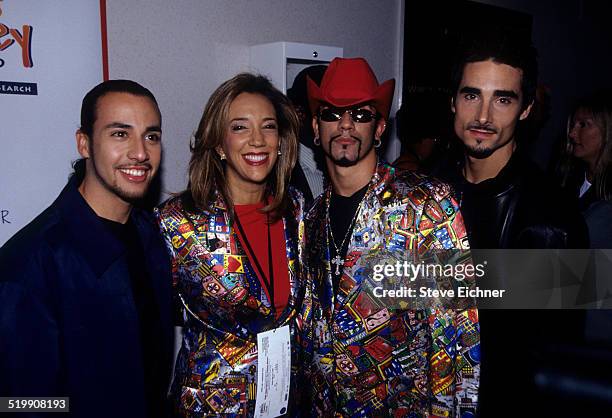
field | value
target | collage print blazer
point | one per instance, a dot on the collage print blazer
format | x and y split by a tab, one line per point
371	360
224	307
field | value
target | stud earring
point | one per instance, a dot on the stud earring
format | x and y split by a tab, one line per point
279	152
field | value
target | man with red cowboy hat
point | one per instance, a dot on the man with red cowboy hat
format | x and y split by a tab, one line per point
367	358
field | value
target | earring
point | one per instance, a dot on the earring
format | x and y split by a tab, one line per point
220	153
279	152
377	142
316	141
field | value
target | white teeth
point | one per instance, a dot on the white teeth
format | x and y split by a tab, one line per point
133	172
256	158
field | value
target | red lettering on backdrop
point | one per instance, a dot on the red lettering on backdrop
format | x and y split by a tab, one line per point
25	42
4	30
23	39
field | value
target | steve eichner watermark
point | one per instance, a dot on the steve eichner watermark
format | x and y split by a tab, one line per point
432	274
401	279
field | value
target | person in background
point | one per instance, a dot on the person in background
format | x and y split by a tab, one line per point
308	174
85	295
233	239
422	128
586	172
587	167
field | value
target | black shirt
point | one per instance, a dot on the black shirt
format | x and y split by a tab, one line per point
342	212
148	314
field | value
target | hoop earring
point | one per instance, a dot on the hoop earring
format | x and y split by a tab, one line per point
316	141
377	142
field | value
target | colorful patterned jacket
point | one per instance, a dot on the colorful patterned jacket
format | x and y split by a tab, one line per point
223	308
369	360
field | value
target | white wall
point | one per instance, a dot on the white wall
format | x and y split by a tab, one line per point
183	49
37	131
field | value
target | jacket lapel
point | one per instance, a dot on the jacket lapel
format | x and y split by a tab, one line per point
215	268
296	288
318	254
157	265
87	230
368	217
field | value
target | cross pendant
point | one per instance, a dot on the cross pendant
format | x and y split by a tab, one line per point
338	262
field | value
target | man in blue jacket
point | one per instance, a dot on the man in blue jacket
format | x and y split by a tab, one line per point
85	292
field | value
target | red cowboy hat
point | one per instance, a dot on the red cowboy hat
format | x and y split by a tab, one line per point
348	82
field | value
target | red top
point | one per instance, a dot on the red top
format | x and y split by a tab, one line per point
255	226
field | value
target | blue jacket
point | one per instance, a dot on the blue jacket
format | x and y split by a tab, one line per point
68	321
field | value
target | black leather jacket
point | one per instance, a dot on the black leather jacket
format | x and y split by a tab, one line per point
520	208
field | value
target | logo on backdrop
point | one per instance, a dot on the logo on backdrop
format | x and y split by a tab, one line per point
21	38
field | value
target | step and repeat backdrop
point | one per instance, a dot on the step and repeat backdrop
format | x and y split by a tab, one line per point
51	54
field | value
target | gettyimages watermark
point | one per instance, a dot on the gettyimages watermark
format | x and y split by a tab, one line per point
407	280
487	279
429	276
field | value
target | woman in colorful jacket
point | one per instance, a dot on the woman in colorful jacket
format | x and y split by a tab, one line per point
233	238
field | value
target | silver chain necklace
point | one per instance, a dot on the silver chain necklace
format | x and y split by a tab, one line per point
337	260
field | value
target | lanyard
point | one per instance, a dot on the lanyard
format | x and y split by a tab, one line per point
268	284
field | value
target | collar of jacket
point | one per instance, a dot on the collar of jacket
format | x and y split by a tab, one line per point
510	176
91	239
220	207
190	206
382	174
218	212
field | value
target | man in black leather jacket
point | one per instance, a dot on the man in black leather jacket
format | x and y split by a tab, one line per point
521	207
507	202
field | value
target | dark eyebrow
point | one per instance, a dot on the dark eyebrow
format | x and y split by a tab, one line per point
470	90
120	125
505	93
154	128
268	118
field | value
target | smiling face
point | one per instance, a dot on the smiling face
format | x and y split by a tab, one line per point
586	137
250	145
124	151
346	142
487	107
